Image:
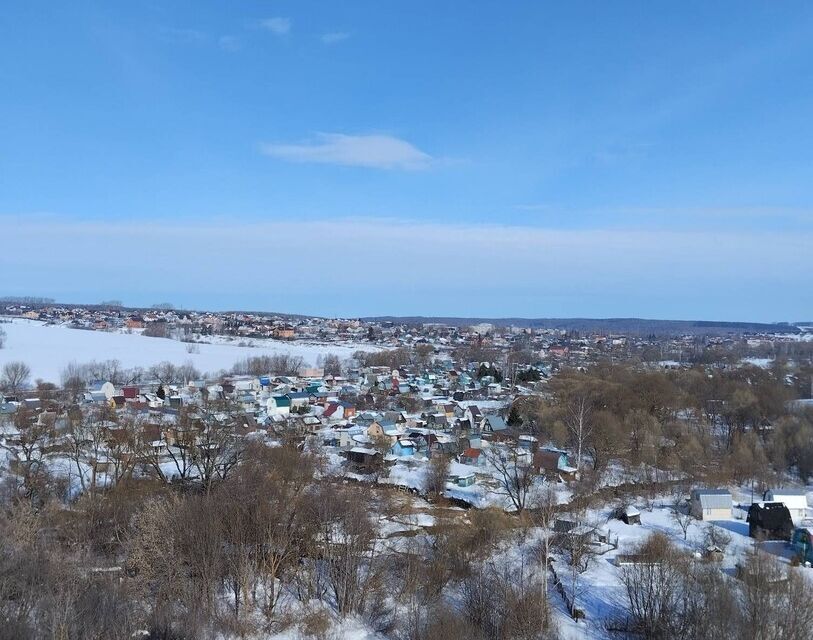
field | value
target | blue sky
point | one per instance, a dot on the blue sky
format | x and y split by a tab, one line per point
435	158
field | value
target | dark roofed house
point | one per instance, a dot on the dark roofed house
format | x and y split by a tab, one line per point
363	459
769	521
553	464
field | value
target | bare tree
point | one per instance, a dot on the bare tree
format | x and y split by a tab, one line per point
15	376
164	372
577	420
437	473
544	509
515	473
655	582
87	439
578	549
345	539
522	609
682	516
332	365
29	450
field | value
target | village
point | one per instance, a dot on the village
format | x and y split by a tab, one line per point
592	446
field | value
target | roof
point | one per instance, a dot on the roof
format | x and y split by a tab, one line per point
496	423
472	453
793	499
713	498
364	451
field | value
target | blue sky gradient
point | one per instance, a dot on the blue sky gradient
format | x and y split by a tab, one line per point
434	158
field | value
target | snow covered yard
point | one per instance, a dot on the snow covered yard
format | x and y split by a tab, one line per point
47	349
599	590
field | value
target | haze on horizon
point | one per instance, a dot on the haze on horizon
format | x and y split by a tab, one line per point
529	160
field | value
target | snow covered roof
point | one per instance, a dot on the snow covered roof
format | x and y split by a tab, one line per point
713	498
365	451
791	498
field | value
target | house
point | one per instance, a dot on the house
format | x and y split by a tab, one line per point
493	424
794	500
473	415
769	521
710	504
279	405
403	447
130	393
553	464
299	399
333	411
472	456
338	411
106	389
384	430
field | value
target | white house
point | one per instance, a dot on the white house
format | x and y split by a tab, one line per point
278	405
711	504
104	387
794	500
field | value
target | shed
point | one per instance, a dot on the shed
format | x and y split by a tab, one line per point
363	459
628	515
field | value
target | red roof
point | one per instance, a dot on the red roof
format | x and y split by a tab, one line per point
472	453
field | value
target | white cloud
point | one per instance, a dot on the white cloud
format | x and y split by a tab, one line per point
377	151
334	37
277	26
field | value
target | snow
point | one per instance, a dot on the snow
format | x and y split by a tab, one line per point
762	363
47	349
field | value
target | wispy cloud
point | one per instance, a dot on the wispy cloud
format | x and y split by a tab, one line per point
375	151
533	207
182	35
277	26
334	37
229	43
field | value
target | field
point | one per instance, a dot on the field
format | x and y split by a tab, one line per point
47	349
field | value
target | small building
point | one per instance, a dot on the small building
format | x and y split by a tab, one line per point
363	459
280	405
711	504
794	500
528	442
769	521
106	389
472	456
628	515
463	480
802	543
403	447
553	464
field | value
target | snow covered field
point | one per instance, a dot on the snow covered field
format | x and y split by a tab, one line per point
48	349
